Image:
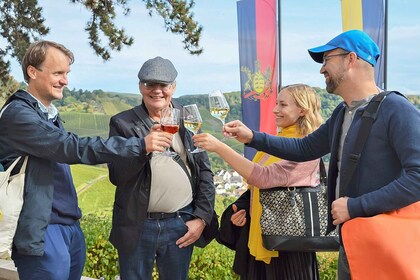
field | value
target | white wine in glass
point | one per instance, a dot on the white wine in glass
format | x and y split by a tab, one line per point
219	108
192	121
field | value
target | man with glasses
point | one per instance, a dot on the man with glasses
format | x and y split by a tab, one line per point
162	204
388	173
49	243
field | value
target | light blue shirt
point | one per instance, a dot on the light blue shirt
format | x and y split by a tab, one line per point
51	110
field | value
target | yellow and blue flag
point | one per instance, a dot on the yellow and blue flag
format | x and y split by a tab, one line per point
368	16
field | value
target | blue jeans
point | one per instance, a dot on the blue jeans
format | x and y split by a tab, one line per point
64	255
157	242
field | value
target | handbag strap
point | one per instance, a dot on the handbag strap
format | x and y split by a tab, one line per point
12	166
322	173
3	109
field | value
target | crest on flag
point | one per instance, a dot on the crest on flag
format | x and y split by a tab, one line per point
258	85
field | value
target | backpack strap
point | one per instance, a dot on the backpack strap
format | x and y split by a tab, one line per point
368	117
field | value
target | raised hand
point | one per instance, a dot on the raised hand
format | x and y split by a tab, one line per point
238	130
157	140
207	141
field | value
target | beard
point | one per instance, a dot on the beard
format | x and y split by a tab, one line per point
334	82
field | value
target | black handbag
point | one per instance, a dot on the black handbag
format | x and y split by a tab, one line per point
295	218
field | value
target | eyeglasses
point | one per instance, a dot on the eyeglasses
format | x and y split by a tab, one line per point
162	86
327	57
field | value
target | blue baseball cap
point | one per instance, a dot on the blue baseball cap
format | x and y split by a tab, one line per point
352	41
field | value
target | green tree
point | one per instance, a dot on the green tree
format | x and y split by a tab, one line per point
21	22
7	87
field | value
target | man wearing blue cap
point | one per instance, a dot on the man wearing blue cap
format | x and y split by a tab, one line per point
163	205
388	173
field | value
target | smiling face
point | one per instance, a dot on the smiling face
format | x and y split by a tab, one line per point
333	69
47	81
156	98
286	111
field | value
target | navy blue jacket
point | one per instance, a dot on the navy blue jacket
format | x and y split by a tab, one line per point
388	173
26	131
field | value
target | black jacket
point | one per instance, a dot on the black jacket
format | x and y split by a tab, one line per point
236	238
133	178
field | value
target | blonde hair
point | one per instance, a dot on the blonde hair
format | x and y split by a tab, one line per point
306	99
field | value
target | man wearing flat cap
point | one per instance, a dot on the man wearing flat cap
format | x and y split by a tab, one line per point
162	204
387	175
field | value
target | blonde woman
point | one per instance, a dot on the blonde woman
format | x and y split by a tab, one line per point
297	114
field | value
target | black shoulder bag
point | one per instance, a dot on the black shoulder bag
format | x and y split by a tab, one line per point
295	218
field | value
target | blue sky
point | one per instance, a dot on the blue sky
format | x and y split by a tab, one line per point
305	24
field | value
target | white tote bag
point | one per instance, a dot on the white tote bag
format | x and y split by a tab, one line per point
11	201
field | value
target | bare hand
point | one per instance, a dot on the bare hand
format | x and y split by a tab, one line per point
157	140
195	229
339	210
239	217
206	141
238	130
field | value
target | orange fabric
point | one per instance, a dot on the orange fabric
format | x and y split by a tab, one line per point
386	246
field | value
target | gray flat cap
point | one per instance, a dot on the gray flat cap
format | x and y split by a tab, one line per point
157	70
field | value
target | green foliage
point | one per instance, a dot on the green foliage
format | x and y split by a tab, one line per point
415	99
101	256
22	23
218	266
328	102
327	262
7	87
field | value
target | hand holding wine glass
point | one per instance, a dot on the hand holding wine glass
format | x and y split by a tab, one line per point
192	121
219	108
169	121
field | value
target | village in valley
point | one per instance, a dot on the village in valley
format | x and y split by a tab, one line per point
229	183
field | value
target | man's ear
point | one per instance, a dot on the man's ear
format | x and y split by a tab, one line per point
31	72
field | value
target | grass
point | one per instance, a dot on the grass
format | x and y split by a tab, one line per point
98	198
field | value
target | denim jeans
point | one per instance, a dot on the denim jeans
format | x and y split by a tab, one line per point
64	255
157	243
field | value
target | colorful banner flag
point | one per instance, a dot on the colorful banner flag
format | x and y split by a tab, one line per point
369	16
258	60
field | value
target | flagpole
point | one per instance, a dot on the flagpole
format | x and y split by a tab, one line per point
386	45
279	43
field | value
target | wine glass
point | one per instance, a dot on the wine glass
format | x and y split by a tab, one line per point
192	121
219	108
169	121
